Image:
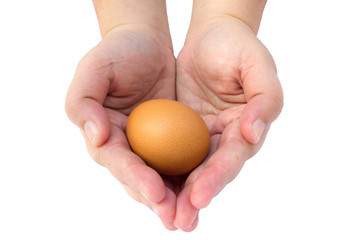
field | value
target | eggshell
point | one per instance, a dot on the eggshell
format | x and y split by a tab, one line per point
168	135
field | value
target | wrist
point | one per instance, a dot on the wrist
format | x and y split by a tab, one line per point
248	11
150	14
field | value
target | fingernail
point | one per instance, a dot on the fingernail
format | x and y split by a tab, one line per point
152	205
186	227
155	210
145	196
258	128
91	131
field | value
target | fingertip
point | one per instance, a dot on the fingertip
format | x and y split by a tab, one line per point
258	128
152	186
166	208
193	226
169	226
201	196
91	117
131	170
186	213
97	134
253	131
223	166
207	185
201	202
96	124
210	182
254	119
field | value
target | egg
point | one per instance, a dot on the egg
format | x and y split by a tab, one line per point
168	135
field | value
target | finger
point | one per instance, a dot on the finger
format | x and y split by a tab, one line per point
86	95
214	143
222	167
193	226
164	209
169	226
127	167
263	94
186	213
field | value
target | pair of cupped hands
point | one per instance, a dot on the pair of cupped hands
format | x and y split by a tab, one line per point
223	72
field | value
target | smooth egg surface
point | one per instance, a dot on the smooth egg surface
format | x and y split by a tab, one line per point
168	135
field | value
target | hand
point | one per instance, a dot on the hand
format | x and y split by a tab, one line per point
227	75
130	65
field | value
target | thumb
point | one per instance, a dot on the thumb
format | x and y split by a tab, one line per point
257	116
264	98
86	95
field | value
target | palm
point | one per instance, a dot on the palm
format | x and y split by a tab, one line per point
218	76
222	72
210	75
138	69
133	67
126	68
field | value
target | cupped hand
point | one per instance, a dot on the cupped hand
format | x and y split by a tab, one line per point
130	65
228	76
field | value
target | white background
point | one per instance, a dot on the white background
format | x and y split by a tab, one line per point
303	184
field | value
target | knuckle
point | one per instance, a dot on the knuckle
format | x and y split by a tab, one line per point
72	107
278	100
69	106
96	153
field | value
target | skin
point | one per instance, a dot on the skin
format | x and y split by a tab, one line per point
223	72
229	78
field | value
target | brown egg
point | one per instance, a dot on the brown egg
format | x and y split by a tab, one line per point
168	135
